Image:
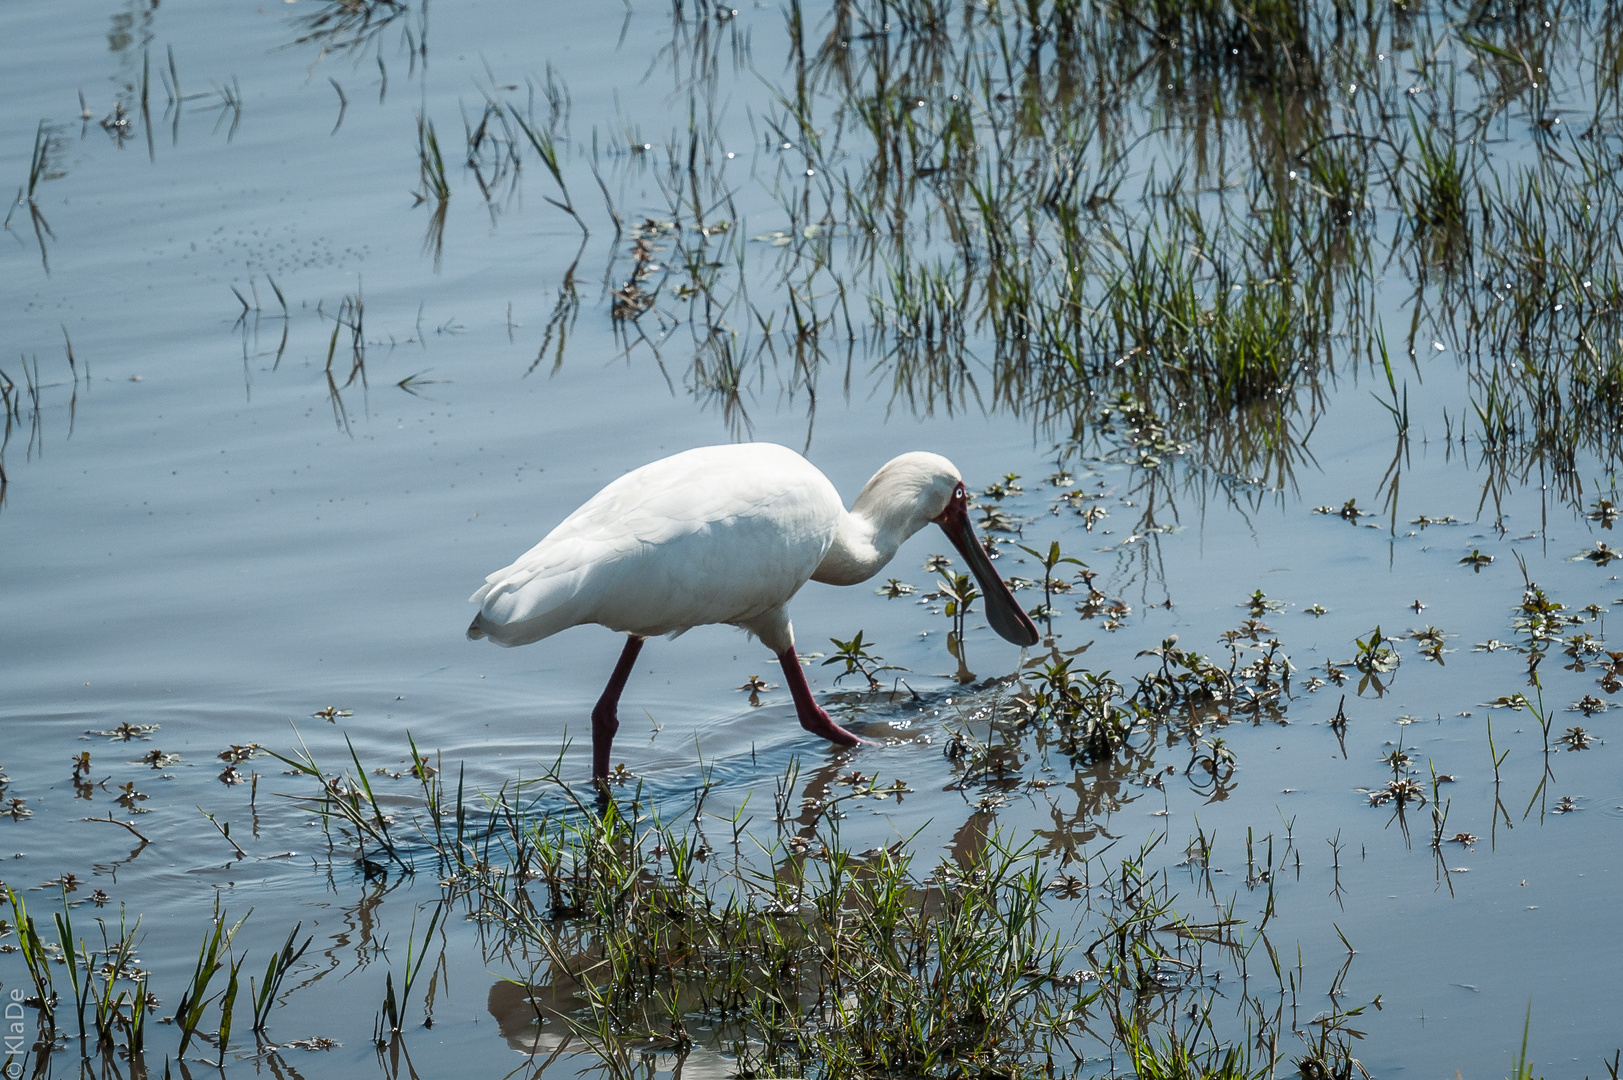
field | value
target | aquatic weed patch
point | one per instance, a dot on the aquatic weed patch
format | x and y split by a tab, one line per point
812	959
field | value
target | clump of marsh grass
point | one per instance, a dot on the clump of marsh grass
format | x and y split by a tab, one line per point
431	163
390	1020
796	955
545	142
834	964
1440	179
36	959
349	800
39	169
276	969
212	956
108	994
433	186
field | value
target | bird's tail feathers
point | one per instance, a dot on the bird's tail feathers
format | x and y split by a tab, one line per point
517	612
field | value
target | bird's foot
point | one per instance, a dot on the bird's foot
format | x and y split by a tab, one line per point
821	724
812	715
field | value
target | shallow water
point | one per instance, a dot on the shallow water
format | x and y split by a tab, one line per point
200	533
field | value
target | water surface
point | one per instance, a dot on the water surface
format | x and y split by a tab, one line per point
205	532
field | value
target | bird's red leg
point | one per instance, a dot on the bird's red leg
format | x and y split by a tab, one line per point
605	718
812	716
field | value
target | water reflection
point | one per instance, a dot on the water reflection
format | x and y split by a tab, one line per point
351	26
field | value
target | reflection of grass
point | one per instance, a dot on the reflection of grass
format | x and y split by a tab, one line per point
347	25
1263	41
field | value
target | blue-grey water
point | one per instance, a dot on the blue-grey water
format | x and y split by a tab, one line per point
201	532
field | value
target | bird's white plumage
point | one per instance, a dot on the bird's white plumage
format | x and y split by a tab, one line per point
720	534
727	534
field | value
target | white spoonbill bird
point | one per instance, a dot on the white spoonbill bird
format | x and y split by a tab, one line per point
727	534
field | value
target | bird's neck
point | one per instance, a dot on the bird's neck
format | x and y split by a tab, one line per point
865	540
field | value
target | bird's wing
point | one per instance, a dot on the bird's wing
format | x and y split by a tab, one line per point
710	535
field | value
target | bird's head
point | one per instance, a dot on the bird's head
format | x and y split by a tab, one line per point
929	488
1002	611
919	485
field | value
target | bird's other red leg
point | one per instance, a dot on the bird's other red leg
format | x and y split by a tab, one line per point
605	718
812	716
